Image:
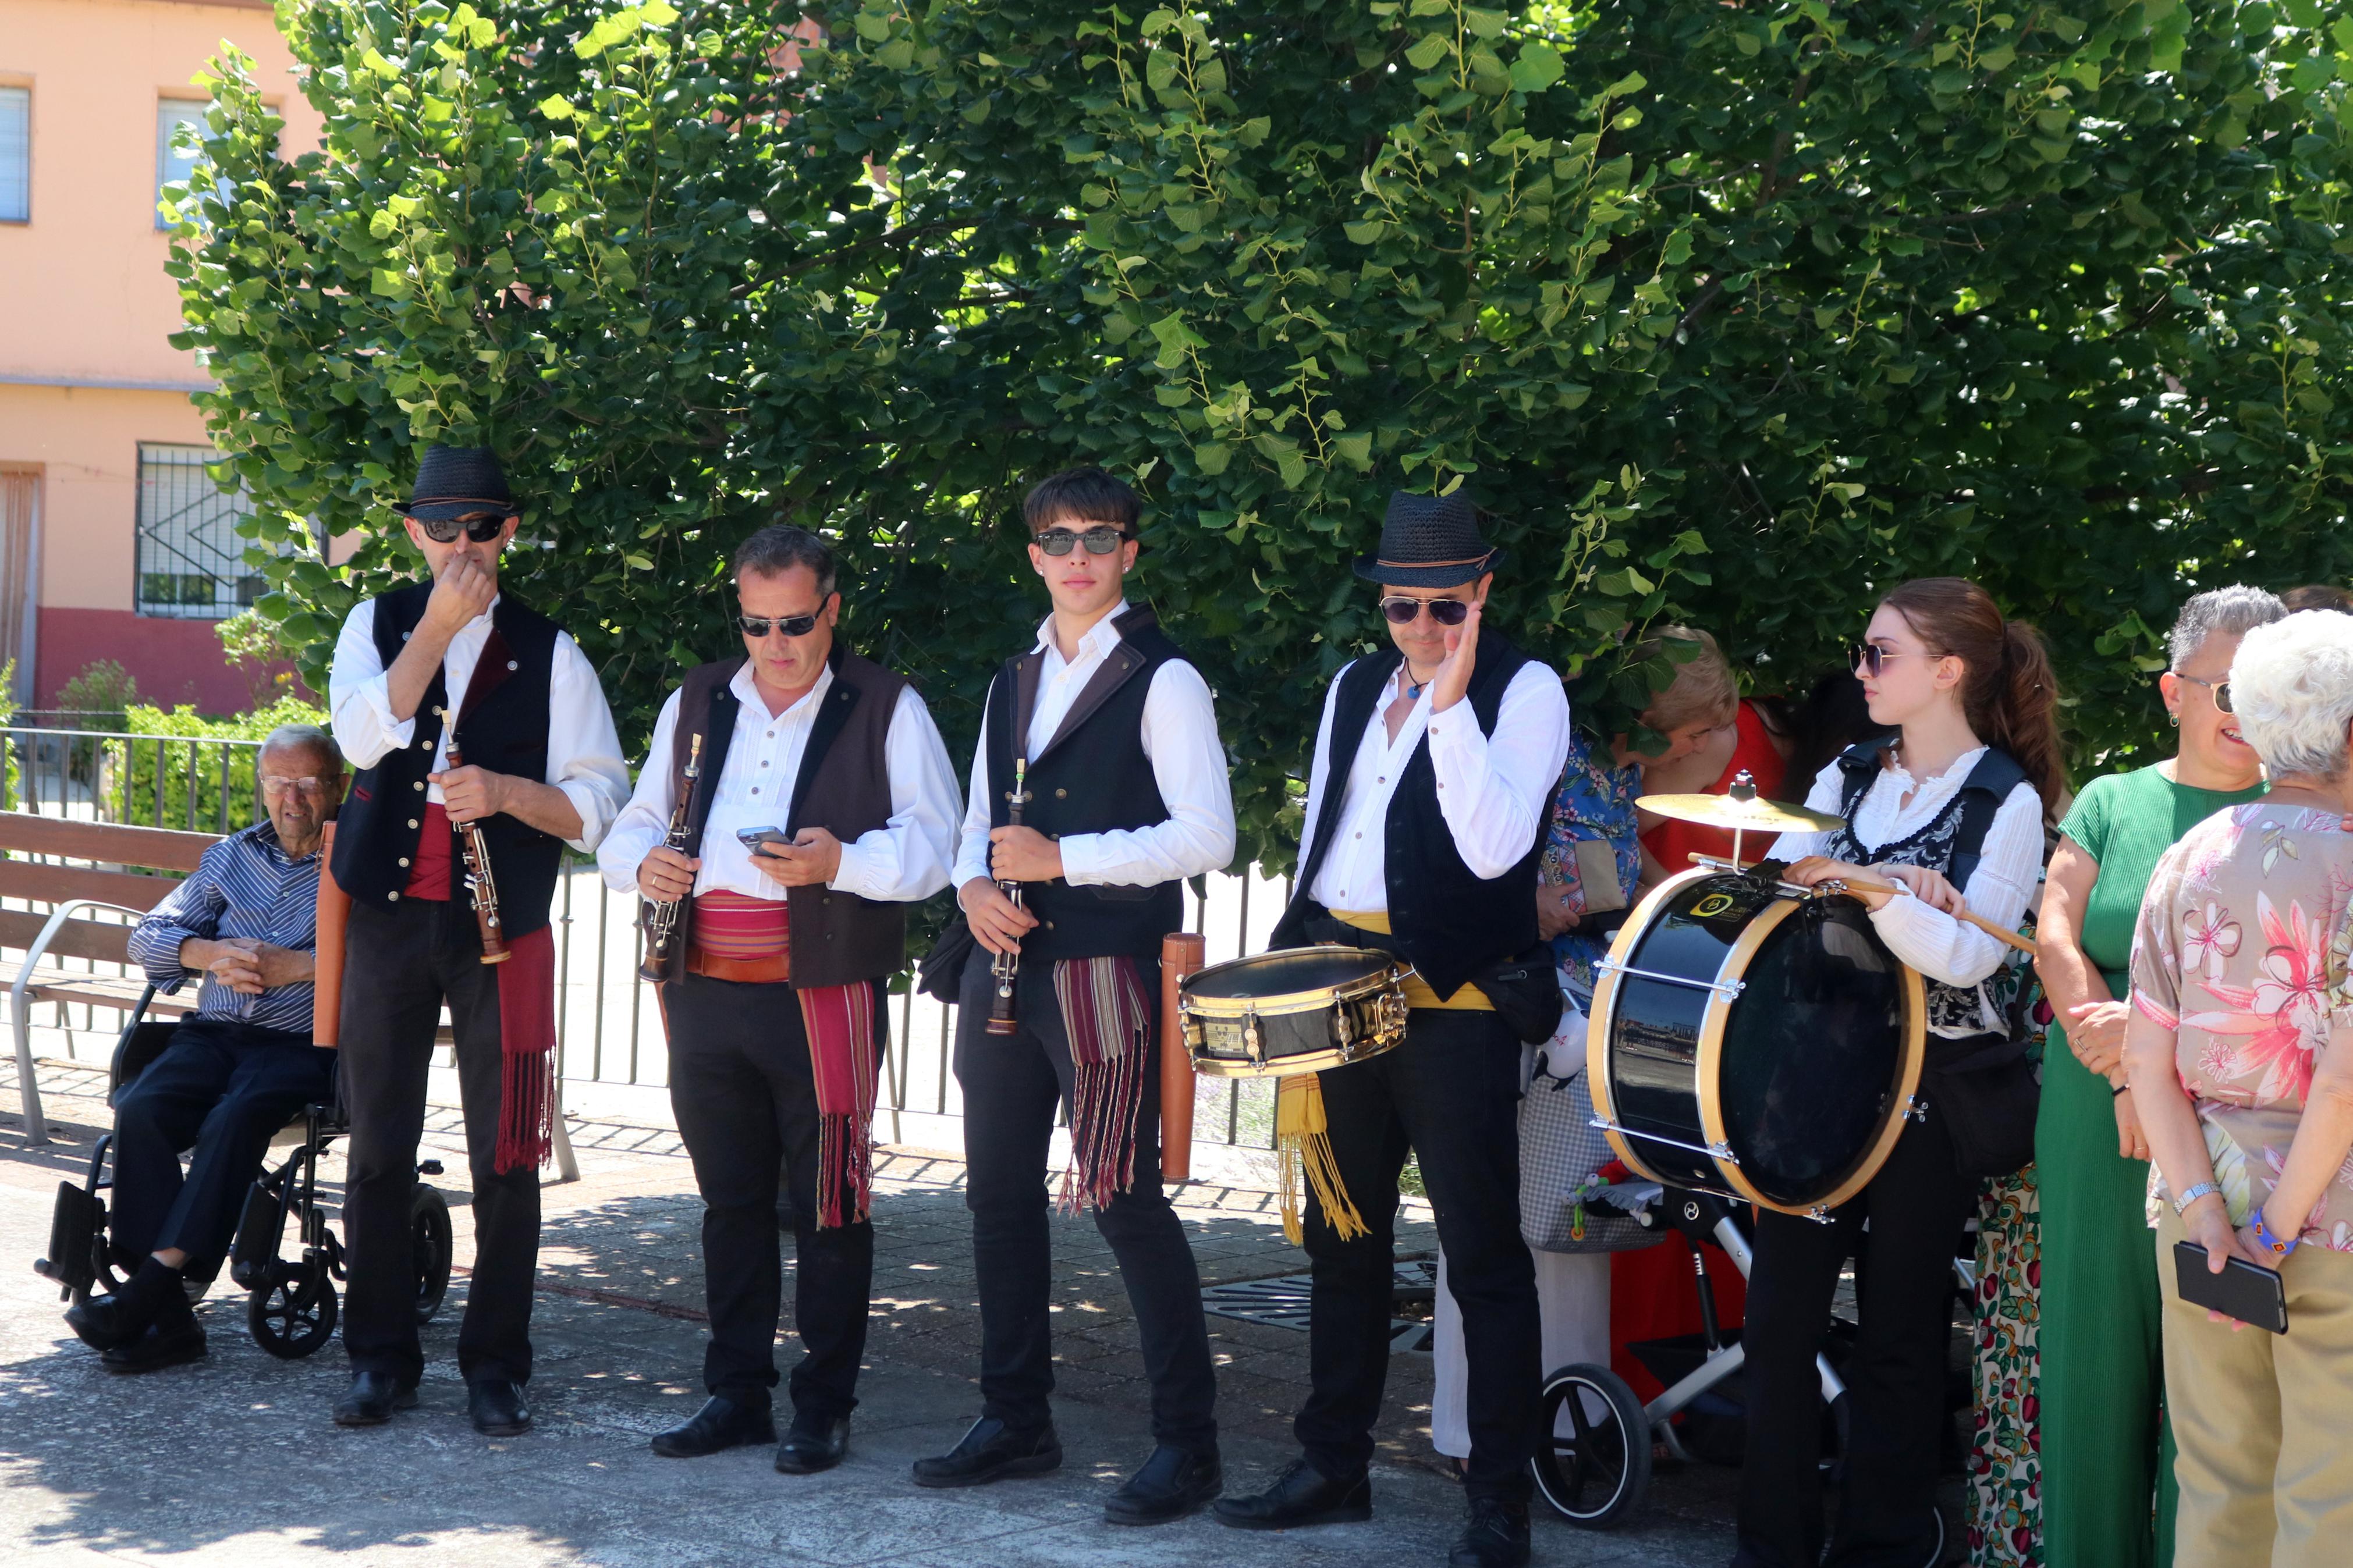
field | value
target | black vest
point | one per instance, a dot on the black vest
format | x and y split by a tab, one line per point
377	830
1444	917
1092	777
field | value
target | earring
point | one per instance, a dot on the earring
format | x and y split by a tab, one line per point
2174	719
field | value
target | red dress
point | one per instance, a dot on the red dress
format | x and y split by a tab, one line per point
1672	844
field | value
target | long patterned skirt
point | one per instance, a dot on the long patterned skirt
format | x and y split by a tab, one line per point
2005	1521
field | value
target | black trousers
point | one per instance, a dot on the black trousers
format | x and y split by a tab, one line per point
223	1089
406	958
1917	1206
746	1102
1012	1085
1449	1094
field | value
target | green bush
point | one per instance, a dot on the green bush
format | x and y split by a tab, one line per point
179	770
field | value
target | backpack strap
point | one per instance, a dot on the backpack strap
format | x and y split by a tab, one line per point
1859	764
1989	783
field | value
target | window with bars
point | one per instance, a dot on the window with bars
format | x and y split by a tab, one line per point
16	154
191	562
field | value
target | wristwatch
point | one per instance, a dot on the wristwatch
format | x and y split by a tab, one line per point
2193	1194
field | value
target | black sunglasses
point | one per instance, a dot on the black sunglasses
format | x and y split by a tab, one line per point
791	626
481	527
2221	689
1445	612
1100	541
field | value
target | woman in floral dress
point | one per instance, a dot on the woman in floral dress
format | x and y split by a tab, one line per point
2239	1054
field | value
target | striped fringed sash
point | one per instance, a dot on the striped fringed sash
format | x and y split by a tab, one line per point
838	1021
1108	1017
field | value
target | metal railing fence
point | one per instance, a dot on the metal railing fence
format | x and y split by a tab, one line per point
609	1022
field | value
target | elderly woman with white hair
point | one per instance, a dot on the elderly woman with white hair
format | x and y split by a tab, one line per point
2240	1052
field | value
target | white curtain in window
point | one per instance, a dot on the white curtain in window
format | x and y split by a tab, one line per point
16	154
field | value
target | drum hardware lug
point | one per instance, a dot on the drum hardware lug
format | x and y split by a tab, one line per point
1916	1109
1719	1150
1818	1215
1724	990
1252	1046
1714	1150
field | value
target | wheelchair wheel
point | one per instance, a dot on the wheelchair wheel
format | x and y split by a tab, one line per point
428	1225
1593	1464
292	1312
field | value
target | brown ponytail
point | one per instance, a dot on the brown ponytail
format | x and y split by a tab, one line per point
2009	693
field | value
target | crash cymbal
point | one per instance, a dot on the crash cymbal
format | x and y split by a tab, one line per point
1742	810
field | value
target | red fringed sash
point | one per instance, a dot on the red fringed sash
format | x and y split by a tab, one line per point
527	1042
1108	1016
839	1021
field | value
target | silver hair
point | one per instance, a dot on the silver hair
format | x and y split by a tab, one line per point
2292	692
293	737
779	547
2228	612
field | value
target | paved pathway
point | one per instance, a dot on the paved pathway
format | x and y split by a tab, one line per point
233	1462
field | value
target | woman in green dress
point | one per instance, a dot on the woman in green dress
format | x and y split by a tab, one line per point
2107	1472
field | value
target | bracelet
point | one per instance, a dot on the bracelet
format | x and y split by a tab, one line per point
2116	1089
2202	1189
2271	1243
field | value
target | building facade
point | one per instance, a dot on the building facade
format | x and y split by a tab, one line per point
114	542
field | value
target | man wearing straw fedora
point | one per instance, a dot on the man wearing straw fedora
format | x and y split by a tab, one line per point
462	708
1432	772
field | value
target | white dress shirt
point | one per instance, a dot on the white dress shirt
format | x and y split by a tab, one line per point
1188	764
2008	868
584	751
1493	790
903	860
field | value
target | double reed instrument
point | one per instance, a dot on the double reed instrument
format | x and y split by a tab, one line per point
661	920
478	881
1006	966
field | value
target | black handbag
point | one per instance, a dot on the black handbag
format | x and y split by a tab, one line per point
1524	990
941	974
1986	1090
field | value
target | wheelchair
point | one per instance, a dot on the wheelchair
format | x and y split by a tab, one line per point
291	1303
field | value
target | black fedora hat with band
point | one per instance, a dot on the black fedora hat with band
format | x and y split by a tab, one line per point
459	481
1429	542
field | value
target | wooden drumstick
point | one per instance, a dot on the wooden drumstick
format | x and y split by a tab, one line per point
1999	933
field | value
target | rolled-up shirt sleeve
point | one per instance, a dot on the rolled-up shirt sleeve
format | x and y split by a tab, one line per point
908	857
584	749
191	909
359	695
1494	791
1188	767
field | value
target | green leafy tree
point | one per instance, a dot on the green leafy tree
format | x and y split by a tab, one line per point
1732	313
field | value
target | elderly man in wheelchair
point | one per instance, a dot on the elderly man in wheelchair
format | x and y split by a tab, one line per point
233	1072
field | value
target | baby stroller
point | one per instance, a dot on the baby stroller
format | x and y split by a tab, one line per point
291	1304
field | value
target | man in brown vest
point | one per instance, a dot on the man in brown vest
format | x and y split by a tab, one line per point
823	803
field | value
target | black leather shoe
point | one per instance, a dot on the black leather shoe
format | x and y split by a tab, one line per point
157	1349
1301	1495
496	1404
722	1423
992	1451
1496	1536
812	1444
100	1323
1173	1483
374	1397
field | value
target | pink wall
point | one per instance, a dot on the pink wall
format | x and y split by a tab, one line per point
172	661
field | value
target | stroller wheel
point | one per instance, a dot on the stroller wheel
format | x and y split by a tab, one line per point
292	1311
428	1226
1593	1463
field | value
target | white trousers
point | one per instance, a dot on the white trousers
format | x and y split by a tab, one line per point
1572	1294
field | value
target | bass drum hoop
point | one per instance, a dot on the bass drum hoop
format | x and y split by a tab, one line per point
1708	1064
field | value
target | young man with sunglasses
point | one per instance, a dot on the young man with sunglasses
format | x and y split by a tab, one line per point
453	666
1111	738
1434	771
824	802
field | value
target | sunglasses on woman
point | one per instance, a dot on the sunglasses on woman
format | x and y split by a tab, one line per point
1401	610
1867	656
1099	540
481	527
757	626
2221	689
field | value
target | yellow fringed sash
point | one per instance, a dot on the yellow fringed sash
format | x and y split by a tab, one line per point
1302	1142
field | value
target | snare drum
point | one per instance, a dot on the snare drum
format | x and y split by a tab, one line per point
1294	1010
1755	1040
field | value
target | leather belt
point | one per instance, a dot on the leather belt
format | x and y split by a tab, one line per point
768	969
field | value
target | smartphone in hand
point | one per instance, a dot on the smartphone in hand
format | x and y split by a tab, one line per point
2254	1296
753	837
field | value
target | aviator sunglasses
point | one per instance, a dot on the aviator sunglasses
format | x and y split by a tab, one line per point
1445	612
757	627
481	527
1866	656
1100	541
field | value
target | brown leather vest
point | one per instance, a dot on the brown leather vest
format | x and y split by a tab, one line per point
844	787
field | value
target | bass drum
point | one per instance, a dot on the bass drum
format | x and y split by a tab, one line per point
1755	1040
